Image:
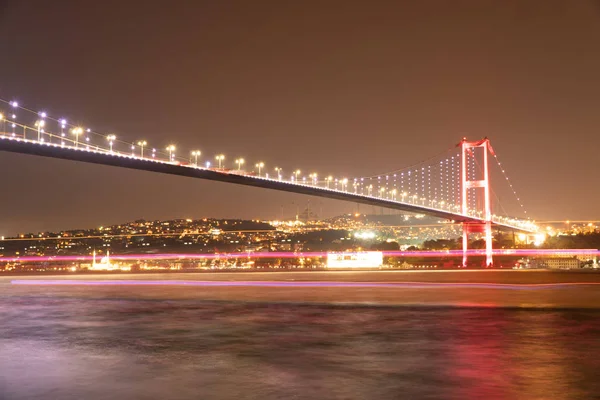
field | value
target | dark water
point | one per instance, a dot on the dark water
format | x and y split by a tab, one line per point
82	348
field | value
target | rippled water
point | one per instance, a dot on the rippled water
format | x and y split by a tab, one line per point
86	348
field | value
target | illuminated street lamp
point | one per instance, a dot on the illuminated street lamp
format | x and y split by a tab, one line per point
260	166
142	143
171	149
381	192
394	191
313	176
196	154
240	162
220	159
77	131
15	105
369	190
278	170
111	140
40	128
63	125
344	183
295	175
328	180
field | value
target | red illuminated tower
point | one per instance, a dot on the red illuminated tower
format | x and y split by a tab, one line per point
482	184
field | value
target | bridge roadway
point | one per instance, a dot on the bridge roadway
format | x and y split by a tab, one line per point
31	147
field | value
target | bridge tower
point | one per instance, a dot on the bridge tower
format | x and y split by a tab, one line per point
479	183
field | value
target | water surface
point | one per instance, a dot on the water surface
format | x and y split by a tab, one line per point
102	346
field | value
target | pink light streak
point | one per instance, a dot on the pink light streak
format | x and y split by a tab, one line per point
309	284
253	255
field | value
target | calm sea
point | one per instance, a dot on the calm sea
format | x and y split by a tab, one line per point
101	347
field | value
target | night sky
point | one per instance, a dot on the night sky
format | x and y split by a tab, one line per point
346	88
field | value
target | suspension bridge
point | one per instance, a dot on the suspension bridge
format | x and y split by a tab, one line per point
454	185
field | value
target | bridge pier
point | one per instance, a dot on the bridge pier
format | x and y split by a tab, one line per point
486	229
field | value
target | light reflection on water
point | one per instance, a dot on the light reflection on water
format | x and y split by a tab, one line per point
82	348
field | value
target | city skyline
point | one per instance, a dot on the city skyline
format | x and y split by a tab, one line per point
285	106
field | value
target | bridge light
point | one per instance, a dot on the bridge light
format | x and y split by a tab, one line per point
220	159
171	149
260	166
196	154
77	131
111	138
328	180
14	104
142	143
240	162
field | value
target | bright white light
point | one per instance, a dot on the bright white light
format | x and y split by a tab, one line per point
364	235
43	114
539	238
14	104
